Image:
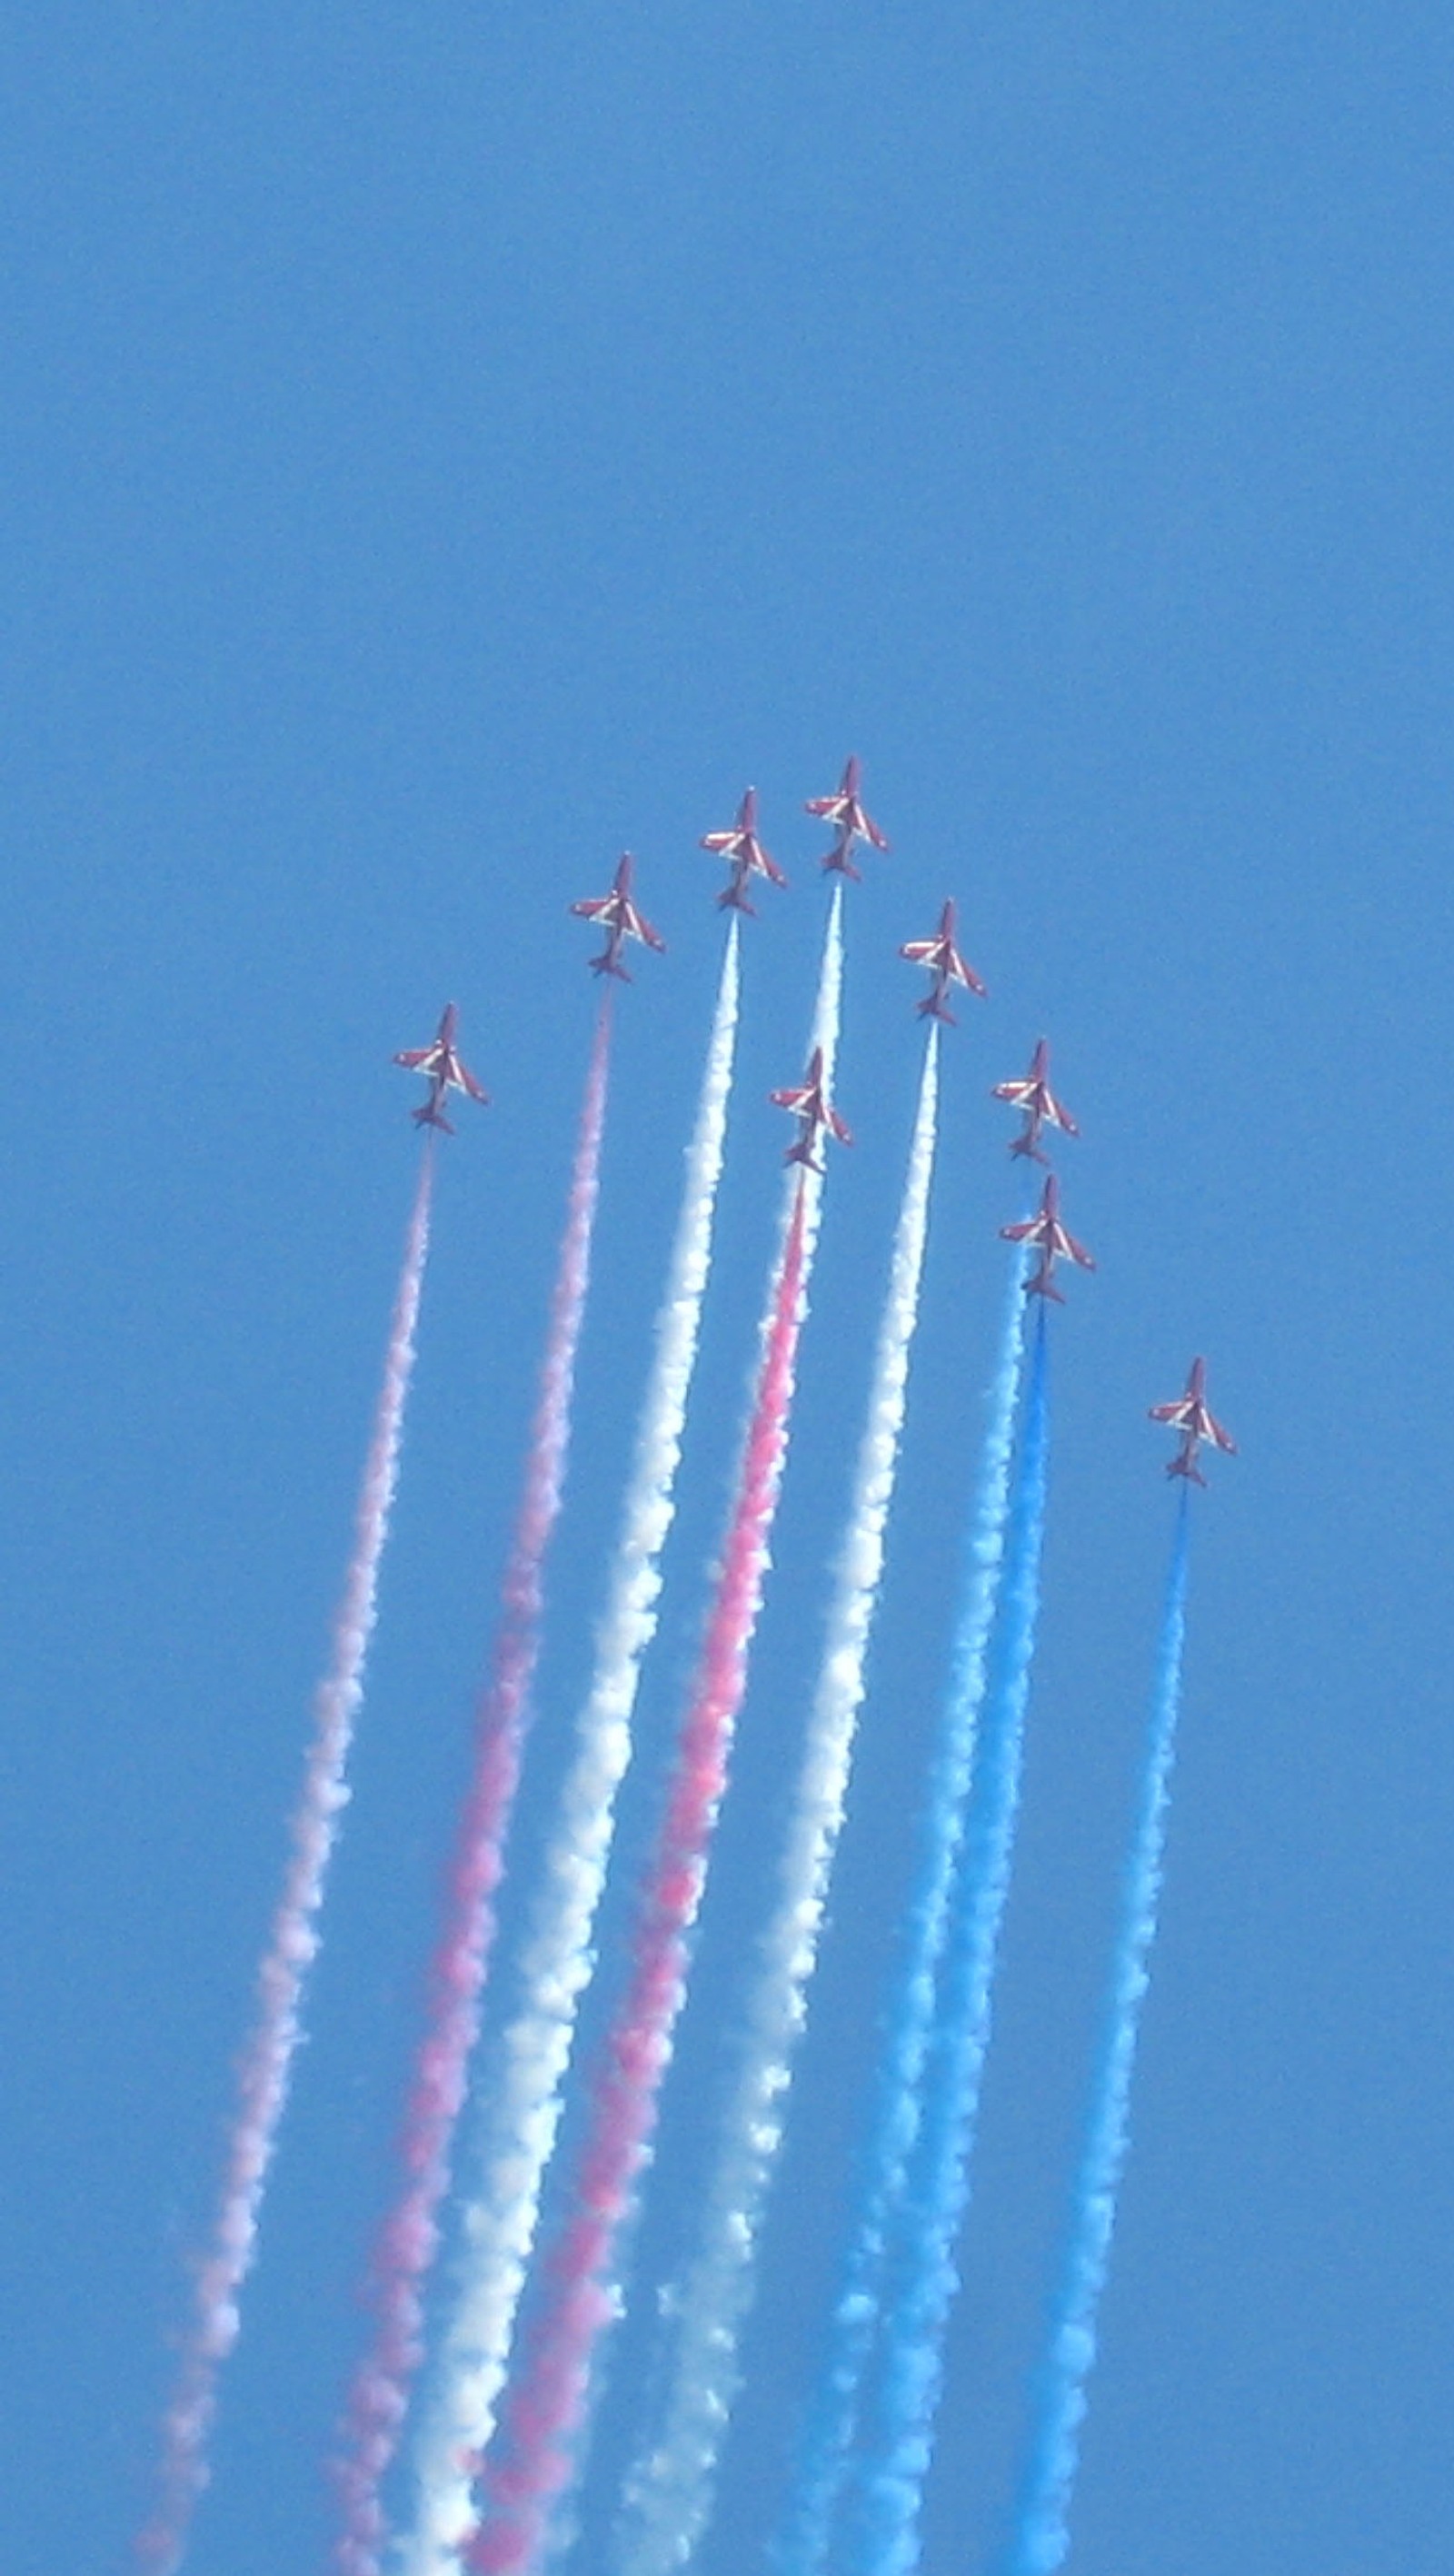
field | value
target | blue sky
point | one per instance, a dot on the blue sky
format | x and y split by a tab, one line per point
437	455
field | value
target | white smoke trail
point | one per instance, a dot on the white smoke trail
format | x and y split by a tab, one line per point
670	2493
267	2064
802	2546
525	2107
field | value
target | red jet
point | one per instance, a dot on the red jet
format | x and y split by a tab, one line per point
620	920
1051	1241
849	819
742	848
1035	1097
444	1071
946	966
1192	1416
810	1105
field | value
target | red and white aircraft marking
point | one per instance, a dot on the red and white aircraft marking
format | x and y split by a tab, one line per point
946	966
1051	1240
746	855
850	820
620	920
810	1105
1192	1416
443	1069
1041	1108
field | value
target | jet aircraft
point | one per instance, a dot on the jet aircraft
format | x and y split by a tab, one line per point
1038	1102
443	1070
1192	1416
810	1105
745	854
850	820
946	966
620	920
1050	1239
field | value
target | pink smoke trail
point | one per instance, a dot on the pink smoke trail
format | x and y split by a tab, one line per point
547	2399
409	2238
266	2068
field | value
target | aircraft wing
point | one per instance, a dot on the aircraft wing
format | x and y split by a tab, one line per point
1176	1412
594	907
922	952
640	928
467	1082
414	1058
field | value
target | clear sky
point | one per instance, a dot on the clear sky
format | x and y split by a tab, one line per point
441	447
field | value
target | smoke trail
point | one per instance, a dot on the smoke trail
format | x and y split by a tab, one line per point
409	2239
900	2442
266	2069
530	2466
803	2546
1043	2536
670	2494
500	2221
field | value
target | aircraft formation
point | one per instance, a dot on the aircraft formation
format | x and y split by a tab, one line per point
545	2221
1045	1233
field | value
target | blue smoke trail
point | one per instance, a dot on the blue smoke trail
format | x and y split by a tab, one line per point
900	2444
802	2546
1042	2535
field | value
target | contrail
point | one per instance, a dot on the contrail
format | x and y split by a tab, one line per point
670	2494
532	2460
525	2107
266	2068
900	2437
803	2545
1043	2536
409	2240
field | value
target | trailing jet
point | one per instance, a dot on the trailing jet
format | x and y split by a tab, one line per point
946	966
1193	1418
810	1105
620	920
742	848
1041	1108
850	820
443	1070
1050	1239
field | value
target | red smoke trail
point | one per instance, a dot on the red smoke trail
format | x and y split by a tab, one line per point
547	2399
267	2064
409	2239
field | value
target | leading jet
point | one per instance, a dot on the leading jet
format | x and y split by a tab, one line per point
444	1070
850	820
745	854
808	1102
946	966
1051	1240
1193	1417
1038	1102
620	920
